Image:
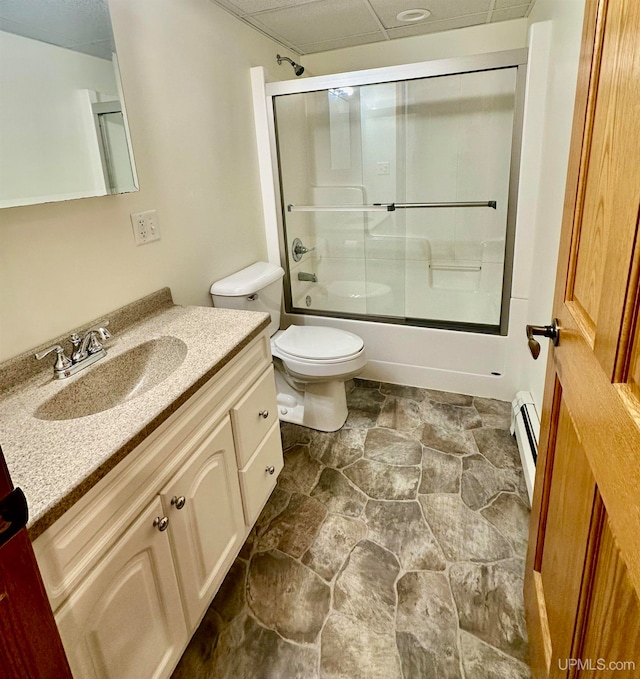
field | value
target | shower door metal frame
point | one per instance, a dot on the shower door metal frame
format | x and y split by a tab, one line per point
428	69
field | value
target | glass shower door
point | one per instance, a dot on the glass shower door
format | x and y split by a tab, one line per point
398	193
457	148
326	188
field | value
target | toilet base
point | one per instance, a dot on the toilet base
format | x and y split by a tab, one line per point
319	405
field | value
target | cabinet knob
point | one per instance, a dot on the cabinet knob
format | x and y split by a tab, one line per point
271	470
264	414
161	523
178	502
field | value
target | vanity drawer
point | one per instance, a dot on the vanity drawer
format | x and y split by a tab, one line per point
254	415
259	477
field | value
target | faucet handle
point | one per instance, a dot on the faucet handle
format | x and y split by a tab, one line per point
102	332
298	248
94	345
62	361
93	334
101	329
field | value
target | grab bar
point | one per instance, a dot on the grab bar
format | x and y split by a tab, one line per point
388	207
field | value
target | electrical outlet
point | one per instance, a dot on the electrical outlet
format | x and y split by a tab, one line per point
146	227
383	167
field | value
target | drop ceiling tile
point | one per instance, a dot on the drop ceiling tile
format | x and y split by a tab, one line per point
318	21
387	10
255	6
72	21
503	4
225	4
436	26
339	43
511	13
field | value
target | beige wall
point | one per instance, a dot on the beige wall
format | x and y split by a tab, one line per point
185	70
504	35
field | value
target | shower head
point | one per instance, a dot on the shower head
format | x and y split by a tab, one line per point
299	70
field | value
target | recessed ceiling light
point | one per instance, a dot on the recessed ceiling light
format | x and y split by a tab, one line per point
410	15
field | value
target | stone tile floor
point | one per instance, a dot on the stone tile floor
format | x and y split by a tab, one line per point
393	548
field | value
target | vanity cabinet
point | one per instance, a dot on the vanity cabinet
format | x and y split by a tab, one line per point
131	568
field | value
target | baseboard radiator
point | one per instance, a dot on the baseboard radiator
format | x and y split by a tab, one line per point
525	426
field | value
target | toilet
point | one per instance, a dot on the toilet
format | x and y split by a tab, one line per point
312	363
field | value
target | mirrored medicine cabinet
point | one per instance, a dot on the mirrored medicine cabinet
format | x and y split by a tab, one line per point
63	124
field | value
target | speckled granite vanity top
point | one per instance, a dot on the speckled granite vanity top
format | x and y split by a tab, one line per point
56	461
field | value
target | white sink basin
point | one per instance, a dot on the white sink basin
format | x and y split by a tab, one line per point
116	380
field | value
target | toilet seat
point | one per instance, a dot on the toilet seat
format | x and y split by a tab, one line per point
314	343
347	351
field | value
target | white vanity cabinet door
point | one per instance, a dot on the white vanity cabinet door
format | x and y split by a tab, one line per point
206	523
125	619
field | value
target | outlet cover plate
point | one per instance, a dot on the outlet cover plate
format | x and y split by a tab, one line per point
146	227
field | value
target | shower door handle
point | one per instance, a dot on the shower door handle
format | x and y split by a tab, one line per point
552	332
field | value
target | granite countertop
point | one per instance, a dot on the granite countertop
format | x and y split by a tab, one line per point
56	462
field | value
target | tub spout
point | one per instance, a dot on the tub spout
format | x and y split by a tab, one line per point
304	276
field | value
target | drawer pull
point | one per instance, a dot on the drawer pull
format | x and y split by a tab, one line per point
178	502
264	414
271	470
161	523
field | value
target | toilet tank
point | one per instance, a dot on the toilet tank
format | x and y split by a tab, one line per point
256	288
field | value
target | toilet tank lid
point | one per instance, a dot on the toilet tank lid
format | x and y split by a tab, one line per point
248	281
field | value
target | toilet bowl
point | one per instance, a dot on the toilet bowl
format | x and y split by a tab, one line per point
312	363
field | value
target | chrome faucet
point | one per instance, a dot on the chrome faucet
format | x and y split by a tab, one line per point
304	276
83	347
86	351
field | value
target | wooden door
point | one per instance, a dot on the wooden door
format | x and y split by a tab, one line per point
30	645
125	619
206	521
582	583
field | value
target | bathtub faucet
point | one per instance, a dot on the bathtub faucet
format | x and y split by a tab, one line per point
311	277
298	249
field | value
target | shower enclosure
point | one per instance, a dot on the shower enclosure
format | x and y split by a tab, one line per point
398	196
